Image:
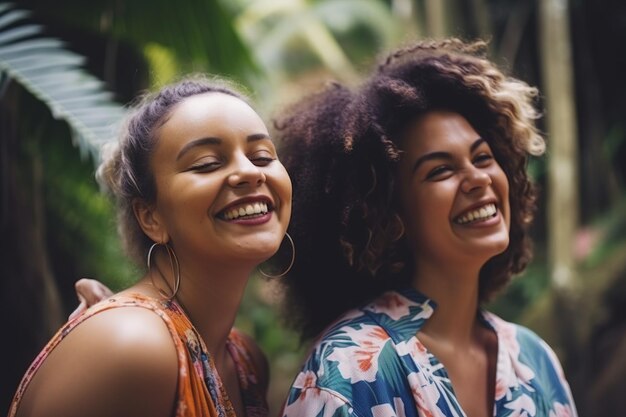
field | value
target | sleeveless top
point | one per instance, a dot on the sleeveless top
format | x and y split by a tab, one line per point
200	392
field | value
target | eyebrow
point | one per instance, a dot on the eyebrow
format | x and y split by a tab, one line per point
444	155
216	141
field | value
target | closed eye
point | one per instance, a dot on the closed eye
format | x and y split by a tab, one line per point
483	159
438	172
205	166
262	161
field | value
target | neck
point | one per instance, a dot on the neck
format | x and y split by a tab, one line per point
210	296
455	290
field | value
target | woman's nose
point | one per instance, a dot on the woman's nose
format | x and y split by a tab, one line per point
245	174
475	178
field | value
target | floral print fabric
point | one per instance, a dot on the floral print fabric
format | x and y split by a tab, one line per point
370	363
200	390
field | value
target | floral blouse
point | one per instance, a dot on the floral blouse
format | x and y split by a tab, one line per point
370	363
200	390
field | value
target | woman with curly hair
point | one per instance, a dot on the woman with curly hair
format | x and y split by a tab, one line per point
412	206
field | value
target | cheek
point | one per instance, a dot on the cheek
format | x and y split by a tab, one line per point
501	183
193	194
286	185
281	182
426	213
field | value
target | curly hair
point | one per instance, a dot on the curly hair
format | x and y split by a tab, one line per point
125	167
341	147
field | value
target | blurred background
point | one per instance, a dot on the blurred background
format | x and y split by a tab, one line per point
67	68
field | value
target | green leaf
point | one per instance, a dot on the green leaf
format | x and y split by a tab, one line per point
54	75
199	32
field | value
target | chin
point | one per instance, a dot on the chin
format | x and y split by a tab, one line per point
500	246
492	246
259	251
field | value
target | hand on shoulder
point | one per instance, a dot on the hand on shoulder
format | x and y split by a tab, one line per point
89	292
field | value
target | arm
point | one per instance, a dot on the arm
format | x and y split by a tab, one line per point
121	362
89	292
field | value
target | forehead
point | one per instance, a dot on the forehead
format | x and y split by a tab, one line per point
212	114
436	129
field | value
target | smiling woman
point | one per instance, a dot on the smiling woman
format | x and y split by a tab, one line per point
412	209
452	194
202	195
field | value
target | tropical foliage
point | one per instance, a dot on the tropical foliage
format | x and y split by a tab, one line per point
62	63
54	75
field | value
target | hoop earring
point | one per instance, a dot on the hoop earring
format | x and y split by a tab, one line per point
293	258
175	270
399	227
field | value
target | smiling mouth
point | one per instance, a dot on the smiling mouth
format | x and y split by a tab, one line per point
481	214
245	211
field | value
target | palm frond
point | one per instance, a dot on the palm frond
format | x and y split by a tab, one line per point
54	75
199	33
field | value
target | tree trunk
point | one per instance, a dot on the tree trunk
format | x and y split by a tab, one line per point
558	89
514	32
435	12
482	20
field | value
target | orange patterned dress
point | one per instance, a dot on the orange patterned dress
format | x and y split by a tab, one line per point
200	390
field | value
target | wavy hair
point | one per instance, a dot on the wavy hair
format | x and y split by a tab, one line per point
341	147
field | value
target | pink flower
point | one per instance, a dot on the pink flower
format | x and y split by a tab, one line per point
392	304
426	395
415	349
360	362
306	379
501	389
514	370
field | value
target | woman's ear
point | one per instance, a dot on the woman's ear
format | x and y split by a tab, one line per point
150	221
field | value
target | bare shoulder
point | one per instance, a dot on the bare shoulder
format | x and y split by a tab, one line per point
118	362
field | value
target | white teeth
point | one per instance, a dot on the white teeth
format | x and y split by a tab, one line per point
479	214
246	210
